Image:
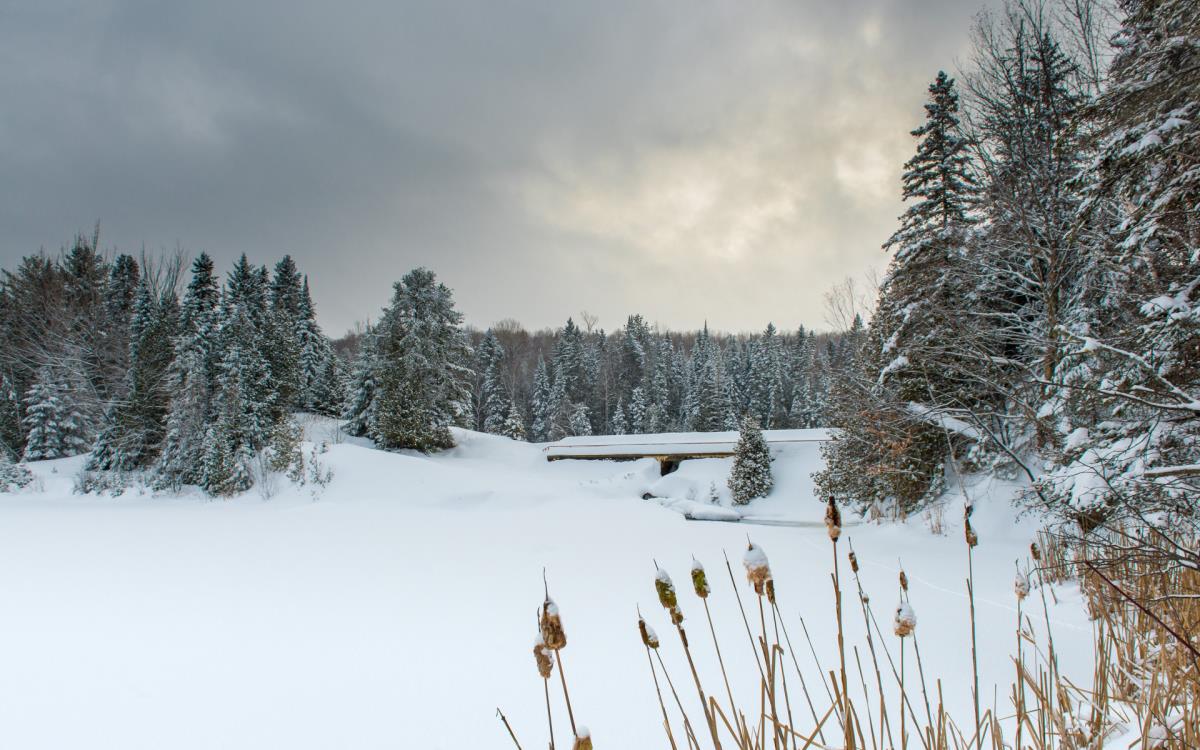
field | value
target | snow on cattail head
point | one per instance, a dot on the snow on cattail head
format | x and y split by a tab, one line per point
665	588
906	619
1021	585
757	568
833	519
649	637
541	656
699	580
583	739
552	628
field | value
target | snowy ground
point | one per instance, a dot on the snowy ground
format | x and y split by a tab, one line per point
397	608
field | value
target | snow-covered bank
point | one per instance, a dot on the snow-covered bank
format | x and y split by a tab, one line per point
398	608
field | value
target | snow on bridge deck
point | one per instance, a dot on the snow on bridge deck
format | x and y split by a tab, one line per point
669	446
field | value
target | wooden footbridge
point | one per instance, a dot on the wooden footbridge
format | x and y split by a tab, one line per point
668	448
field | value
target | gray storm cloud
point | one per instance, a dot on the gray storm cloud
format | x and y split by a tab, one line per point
687	160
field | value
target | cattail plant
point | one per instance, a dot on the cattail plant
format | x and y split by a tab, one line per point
833	520
555	638
904	625
758	570
669	599
833	525
972	540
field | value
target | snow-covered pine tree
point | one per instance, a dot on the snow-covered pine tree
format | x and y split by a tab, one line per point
191	380
246	399
766	378
289	325
120	294
580	422
53	426
493	399
320	380
620	425
751	474
364	387
514	424
637	412
704	406
899	456
133	435
425	370
226	467
541	405
11	434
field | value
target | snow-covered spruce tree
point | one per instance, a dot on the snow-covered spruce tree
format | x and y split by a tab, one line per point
226	468
191	380
514	424
887	454
493	399
53	427
364	387
11	433
133	435
637	412
286	331
424	367
620	426
751	473
580	423
766	379
705	409
320	378
541	405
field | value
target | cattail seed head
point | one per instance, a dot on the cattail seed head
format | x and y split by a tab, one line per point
541	655
649	637
906	619
699	580
583	740
903	581
676	615
833	519
1036	551
758	570
666	589
1021	586
853	562
770	587
971	537
552	627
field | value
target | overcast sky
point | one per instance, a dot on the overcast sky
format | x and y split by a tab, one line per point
688	160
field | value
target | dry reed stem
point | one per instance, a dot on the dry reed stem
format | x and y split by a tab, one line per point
687	724
661	703
511	733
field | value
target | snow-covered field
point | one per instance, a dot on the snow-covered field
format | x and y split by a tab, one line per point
396	609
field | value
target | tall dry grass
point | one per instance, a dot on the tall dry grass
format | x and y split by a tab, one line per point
1144	692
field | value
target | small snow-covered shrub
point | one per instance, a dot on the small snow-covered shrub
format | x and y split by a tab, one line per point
14	476
88	481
